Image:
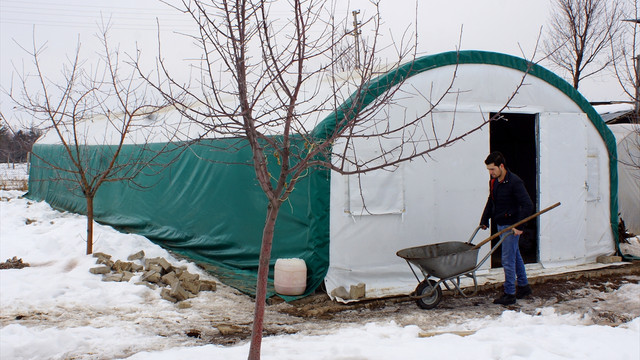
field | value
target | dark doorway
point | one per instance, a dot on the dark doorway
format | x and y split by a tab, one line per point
515	136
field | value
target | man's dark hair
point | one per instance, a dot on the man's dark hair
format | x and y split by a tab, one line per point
496	158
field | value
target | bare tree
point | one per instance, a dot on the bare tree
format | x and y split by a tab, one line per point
15	145
69	109
264	80
579	36
626	53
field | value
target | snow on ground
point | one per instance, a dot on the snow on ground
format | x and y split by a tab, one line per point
13	176
56	309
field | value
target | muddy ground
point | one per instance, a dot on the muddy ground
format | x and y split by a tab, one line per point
590	293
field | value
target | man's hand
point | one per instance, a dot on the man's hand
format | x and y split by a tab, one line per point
517	232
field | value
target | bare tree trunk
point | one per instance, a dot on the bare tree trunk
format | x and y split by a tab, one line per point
89	225
261	286
577	72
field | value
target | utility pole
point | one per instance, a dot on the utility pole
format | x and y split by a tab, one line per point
356	34
636	69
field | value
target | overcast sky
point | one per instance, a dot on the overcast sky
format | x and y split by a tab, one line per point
508	26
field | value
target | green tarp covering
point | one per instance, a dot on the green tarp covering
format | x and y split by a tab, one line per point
207	205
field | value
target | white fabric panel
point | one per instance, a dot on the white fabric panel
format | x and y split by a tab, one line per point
445	198
628	141
563	178
376	193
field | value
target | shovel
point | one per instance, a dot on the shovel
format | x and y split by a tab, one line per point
515	225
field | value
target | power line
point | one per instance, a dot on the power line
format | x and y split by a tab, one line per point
79	7
85	15
112	24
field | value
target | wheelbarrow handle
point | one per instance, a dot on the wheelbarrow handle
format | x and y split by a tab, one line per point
473	235
515	225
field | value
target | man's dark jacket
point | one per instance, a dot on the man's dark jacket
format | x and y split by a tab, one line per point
508	202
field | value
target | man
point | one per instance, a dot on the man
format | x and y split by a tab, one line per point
507	204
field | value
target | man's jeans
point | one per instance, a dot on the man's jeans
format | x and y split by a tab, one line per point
512	262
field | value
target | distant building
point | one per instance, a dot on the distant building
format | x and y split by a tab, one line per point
616	113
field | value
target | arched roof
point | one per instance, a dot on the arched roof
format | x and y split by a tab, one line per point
384	82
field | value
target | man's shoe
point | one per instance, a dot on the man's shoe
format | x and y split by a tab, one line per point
506	299
523	291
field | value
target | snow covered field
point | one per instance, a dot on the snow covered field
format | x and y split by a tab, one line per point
56	309
13	176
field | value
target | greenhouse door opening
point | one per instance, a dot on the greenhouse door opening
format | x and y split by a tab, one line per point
515	135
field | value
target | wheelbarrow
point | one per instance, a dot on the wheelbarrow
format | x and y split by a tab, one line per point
447	262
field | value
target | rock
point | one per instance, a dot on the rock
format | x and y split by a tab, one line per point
357	291
105	261
100	270
179	270
120	266
151	276
102	258
178	292
608	259
230	329
340	292
170	279
126	275
184	305
113	277
191	286
208	285
185	275
166	266
191	282
101	255
136	267
165	294
155	267
137	256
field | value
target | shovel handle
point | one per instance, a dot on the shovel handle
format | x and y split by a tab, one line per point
515	225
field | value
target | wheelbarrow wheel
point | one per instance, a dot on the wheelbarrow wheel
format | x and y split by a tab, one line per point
429	301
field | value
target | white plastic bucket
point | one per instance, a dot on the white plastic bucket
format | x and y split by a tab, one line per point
290	276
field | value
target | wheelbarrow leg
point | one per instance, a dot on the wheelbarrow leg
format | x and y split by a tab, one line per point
456	284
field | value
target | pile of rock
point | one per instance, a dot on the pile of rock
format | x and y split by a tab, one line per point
176	282
13	263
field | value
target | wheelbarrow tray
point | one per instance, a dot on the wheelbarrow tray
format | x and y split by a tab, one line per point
443	260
